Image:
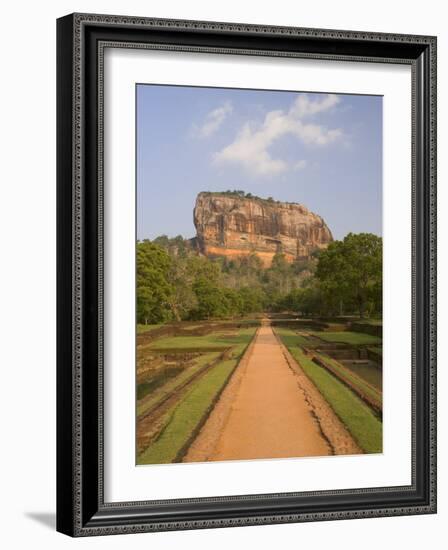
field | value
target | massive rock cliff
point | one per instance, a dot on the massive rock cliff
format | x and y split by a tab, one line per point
233	225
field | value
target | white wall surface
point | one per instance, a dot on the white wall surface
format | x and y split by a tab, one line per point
27	274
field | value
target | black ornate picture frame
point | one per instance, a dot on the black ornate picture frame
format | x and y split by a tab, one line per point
81	508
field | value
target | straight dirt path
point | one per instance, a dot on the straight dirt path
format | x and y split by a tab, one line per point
263	413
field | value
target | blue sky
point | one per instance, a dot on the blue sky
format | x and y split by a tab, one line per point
321	150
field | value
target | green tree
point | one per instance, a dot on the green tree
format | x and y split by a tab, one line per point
280	278
233	304
350	271
210	299
153	288
252	299
182	299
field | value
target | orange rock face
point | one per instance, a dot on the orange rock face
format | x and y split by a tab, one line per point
231	226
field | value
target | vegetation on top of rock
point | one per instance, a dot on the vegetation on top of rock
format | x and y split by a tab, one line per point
239	193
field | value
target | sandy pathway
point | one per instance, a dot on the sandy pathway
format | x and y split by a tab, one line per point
267	414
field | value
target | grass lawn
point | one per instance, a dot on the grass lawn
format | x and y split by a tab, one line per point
364	426
355	338
377	349
173	384
214	340
186	416
291	338
355	379
157	380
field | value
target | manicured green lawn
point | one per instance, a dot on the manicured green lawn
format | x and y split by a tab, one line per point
356	380
291	338
186	416
158	379
355	338
182	420
221	339
361	422
173	384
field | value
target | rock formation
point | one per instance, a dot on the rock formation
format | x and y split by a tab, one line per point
232	225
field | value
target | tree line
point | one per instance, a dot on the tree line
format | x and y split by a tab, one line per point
175	283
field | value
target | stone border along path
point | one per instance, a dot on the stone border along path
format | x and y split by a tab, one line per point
332	428
270	409
150	422
203	447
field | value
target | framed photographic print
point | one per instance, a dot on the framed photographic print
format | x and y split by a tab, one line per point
246	274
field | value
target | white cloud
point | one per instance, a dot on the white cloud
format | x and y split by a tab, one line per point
250	149
300	165
303	106
213	121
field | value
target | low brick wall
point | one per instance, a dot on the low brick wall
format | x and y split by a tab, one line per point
374	356
375	405
373	330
